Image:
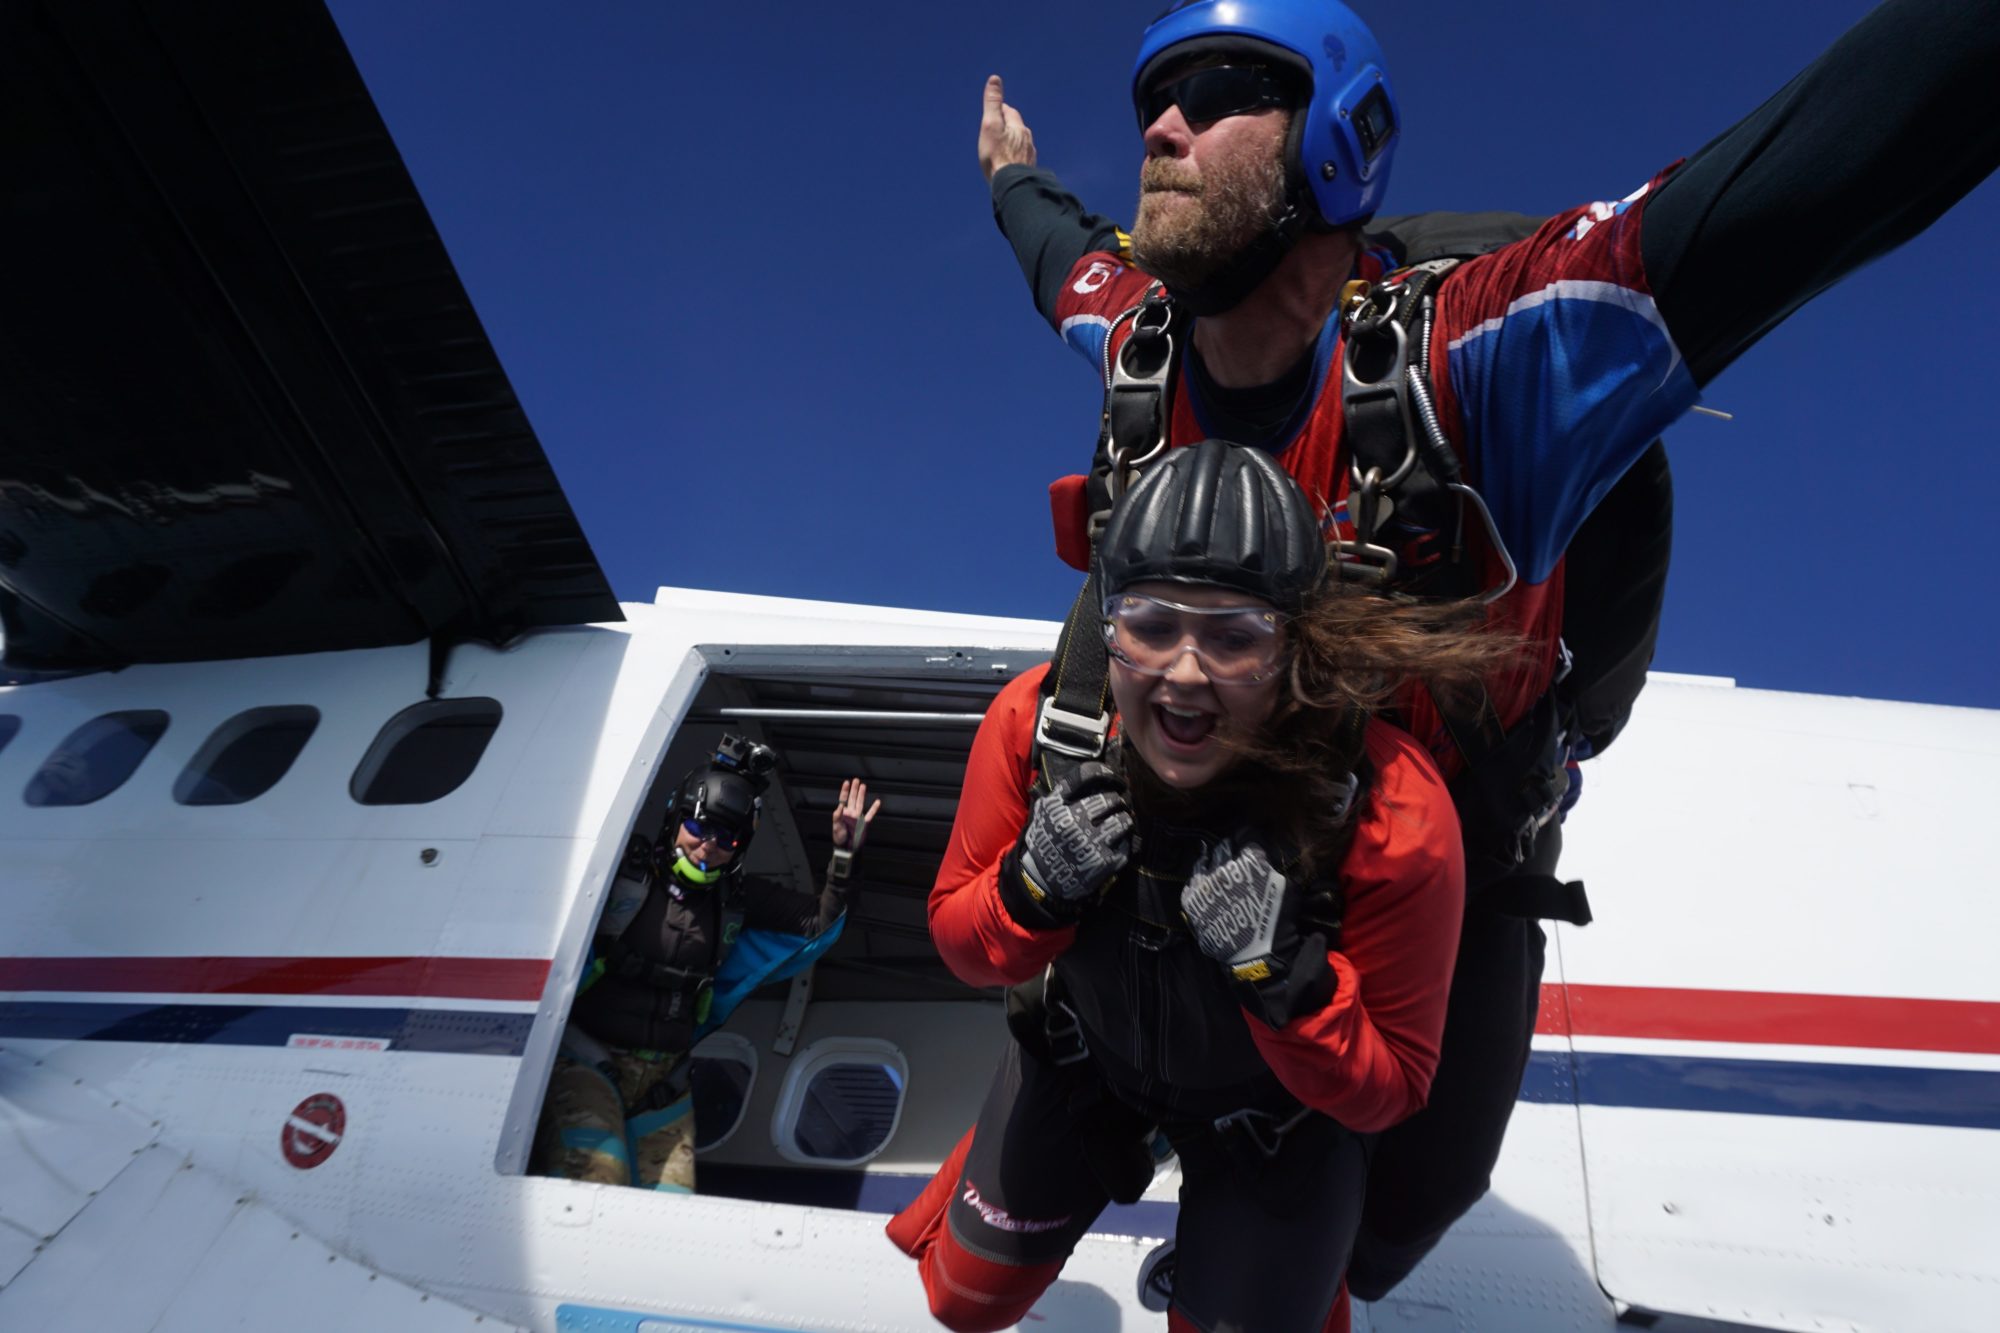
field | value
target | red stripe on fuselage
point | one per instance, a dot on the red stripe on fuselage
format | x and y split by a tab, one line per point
1771	1018
443	978
1762	1017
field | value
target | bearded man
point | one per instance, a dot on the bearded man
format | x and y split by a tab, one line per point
1269	128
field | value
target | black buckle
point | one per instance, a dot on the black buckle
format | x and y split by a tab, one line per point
1081	736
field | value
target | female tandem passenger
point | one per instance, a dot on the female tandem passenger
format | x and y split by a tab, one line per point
1247	918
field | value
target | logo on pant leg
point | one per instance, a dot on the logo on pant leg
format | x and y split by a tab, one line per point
1002	1220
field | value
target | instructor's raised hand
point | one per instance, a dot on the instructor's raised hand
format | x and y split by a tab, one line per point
1004	138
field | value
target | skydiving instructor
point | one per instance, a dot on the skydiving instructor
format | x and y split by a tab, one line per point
686	936
1269	128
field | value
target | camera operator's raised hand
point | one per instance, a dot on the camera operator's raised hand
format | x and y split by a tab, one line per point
851	817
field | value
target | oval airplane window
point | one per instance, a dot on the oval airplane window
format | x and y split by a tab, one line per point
95	760
246	756
426	752
841	1102
9	725
724	1068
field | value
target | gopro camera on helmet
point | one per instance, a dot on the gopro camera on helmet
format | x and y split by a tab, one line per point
740	754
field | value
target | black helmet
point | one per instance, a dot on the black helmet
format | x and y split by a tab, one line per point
726	794
1218	513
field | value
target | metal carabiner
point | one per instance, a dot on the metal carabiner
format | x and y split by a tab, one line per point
1146	383
1392	388
1364	312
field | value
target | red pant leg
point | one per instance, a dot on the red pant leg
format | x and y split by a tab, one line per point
1340	1319
966	1293
917	1227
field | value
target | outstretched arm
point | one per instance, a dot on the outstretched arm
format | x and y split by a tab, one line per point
1045	223
1860	152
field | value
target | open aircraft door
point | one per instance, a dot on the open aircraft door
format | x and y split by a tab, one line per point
1785	1121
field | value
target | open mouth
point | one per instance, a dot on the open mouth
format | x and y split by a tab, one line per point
1187	728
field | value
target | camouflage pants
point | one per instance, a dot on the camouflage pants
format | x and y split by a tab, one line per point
618	1123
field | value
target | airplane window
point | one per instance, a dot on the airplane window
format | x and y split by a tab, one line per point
94	760
724	1067
848	1113
246	756
425	752
9	724
841	1102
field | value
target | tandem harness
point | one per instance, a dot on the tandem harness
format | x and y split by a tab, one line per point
1409	505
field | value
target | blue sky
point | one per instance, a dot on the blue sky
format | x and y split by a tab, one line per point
741	267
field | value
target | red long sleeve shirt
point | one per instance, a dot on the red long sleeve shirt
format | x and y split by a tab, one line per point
1366	1059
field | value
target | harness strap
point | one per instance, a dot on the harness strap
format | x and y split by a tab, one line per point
627	964
1396	471
1408	500
1073	725
1512	786
1538	897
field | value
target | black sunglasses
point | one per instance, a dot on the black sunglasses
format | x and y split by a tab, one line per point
1205	95
724	839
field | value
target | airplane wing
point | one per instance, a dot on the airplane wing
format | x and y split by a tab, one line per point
249	407
103	1226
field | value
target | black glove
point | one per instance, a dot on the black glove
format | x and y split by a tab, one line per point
1078	837
1244	914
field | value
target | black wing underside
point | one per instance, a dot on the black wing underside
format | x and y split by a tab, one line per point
246	407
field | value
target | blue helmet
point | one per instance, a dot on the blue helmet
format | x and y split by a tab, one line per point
1344	138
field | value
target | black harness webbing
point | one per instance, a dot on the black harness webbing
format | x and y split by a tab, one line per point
1538	897
1407	499
1075	716
1398	475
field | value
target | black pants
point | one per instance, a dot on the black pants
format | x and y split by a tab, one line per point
1255	1237
1434	1166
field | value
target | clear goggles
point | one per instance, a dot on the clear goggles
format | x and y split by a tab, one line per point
1235	645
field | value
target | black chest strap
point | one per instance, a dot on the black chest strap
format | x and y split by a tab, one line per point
1073	723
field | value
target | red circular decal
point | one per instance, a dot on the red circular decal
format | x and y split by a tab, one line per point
313	1130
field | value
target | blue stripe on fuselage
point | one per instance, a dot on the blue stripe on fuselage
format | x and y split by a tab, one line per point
1885	1094
435	1031
1889	1094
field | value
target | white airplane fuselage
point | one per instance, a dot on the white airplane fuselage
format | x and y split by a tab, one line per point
285	1057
